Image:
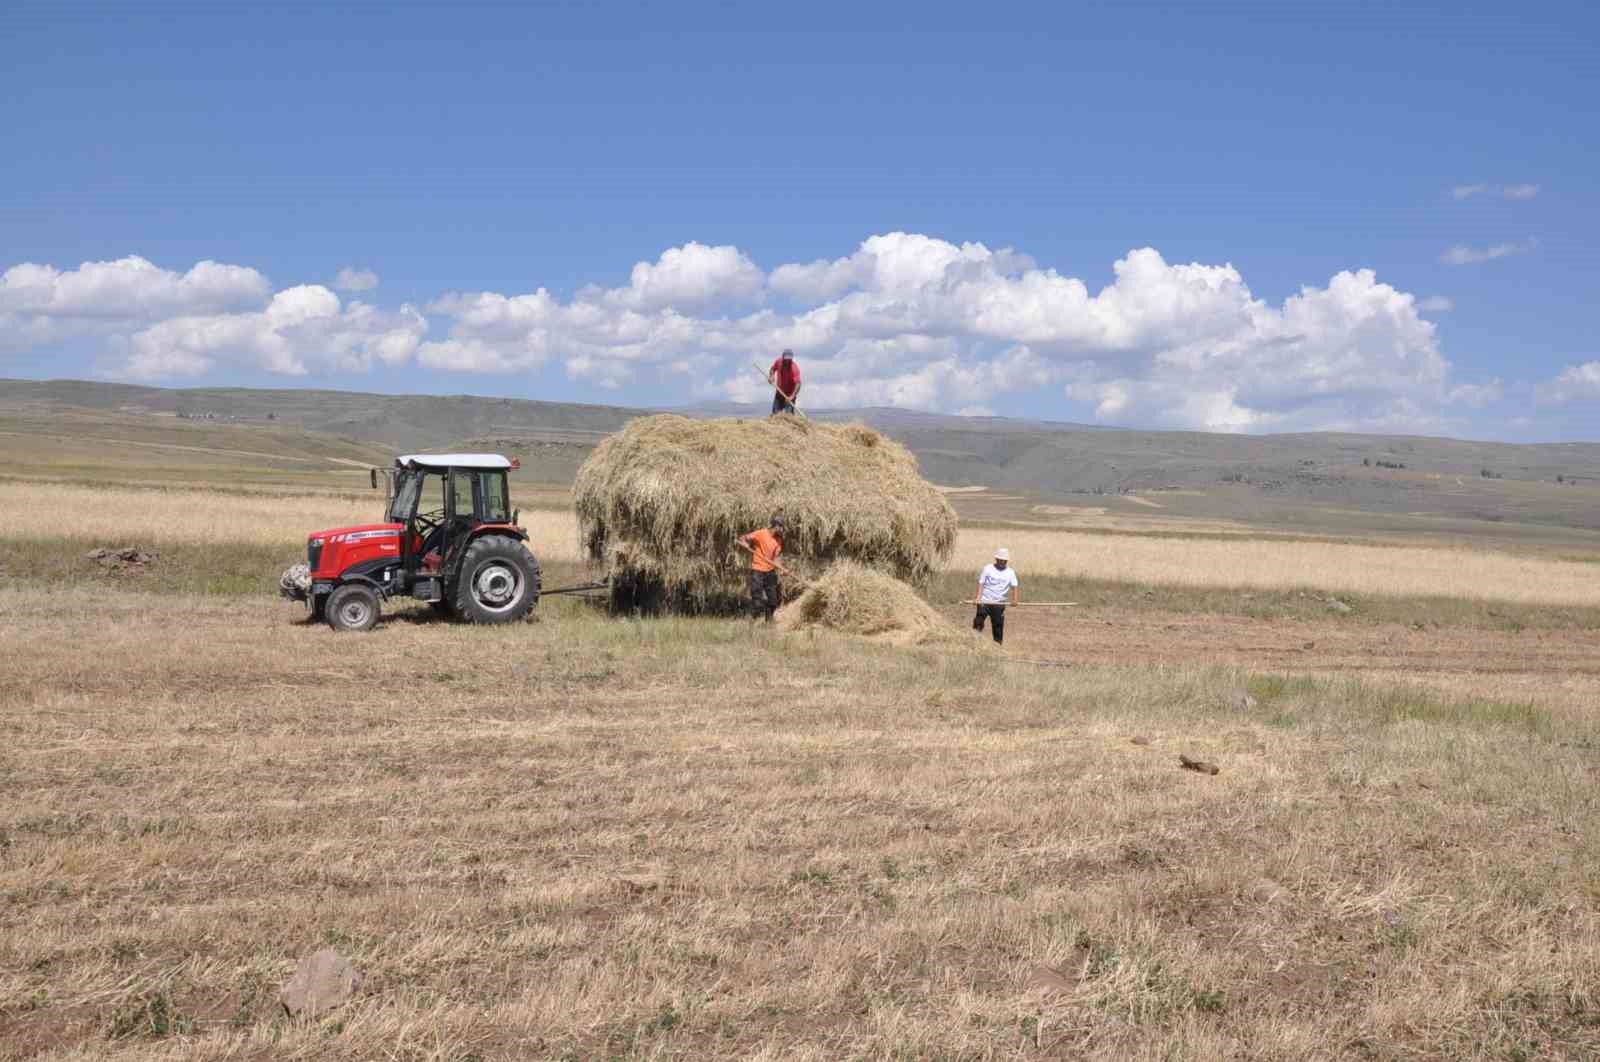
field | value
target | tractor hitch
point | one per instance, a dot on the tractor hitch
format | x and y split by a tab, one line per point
604	584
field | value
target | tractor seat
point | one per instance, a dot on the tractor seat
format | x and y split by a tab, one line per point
432	546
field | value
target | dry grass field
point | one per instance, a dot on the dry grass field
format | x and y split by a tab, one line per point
595	838
1263	563
180	517
209	517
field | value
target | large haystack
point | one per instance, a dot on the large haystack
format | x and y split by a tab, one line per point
858	600
661	503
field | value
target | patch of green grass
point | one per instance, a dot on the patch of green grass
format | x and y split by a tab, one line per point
151	1017
811	876
180	569
185	568
1396	704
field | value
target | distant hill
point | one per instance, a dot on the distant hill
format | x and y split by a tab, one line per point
1371	473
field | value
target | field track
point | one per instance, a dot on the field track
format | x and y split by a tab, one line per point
1552	666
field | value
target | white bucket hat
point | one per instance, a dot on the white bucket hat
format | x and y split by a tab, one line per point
1002	554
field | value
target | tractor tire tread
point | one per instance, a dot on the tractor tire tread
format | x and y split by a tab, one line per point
333	611
480	550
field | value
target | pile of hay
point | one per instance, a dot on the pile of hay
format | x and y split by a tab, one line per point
661	503
858	600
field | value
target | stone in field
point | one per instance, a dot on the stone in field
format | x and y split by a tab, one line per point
325	980
1265	890
1047	981
1239	701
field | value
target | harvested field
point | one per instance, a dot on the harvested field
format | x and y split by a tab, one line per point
597	838
166	515
697	839
1553	670
1393	570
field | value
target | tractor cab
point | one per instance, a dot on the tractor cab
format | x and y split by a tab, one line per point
441	498
448	537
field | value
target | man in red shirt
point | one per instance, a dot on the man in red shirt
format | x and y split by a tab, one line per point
785	377
764	546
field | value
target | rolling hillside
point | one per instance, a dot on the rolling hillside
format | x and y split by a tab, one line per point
1394	481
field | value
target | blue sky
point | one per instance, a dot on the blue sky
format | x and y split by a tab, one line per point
630	204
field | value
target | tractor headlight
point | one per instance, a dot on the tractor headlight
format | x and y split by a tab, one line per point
315	543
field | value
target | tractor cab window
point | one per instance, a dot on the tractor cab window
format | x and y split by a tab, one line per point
496	507
433	494
461	487
405	497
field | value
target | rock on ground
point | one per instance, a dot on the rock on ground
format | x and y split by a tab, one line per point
116	558
325	980
1239	701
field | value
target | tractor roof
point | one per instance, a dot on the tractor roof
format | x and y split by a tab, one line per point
453	461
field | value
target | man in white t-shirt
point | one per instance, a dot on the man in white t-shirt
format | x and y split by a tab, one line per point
993	582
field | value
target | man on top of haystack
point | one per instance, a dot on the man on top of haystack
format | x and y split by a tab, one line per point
784	376
764	546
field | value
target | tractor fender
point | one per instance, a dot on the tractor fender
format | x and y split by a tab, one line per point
511	530
371	573
452	561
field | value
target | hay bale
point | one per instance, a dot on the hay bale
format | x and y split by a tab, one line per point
661	503
857	600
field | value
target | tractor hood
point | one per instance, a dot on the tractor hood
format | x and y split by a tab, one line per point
358	533
333	552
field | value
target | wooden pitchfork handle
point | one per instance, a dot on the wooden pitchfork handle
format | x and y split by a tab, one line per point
765	375
752	551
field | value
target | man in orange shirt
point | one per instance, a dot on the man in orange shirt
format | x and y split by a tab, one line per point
764	546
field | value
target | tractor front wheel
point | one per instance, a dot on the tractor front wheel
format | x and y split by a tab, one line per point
498	581
352	607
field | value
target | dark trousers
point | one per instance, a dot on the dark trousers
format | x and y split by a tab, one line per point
781	404
764	593
997	621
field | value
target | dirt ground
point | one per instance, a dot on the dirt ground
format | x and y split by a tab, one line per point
686	839
1549	667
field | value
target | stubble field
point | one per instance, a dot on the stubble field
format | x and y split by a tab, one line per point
598	838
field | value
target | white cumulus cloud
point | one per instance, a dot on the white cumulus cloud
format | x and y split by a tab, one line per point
42	304
1576	383
692	277
903	319
302	330
352	279
915	321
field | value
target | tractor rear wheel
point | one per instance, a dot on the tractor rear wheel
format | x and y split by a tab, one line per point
352	607
498	581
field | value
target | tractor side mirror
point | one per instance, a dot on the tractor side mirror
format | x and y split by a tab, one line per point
372	474
516	515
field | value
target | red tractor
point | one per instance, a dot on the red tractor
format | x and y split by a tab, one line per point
449	537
